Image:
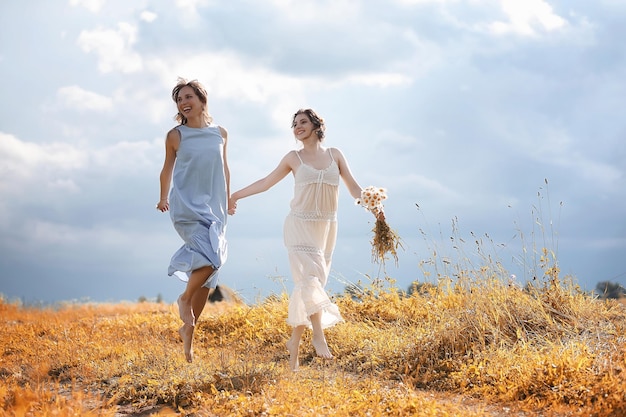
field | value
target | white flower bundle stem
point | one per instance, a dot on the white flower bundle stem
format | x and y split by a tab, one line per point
385	240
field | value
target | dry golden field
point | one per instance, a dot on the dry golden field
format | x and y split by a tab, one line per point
465	348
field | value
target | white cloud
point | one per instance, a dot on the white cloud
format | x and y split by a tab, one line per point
31	163
125	157
75	97
525	17
380	80
227	76
411	2
148	16
57	166
113	48
93	6
189	9
316	10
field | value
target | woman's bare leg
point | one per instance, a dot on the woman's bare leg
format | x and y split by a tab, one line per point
319	340
197	301
186	333
196	280
293	346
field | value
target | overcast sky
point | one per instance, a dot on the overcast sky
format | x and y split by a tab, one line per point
461	109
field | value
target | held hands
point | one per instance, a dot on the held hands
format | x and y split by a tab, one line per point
232	206
163	205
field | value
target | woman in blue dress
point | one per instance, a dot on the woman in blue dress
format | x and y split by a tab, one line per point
195	174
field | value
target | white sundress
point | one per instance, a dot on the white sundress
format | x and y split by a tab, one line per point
310	233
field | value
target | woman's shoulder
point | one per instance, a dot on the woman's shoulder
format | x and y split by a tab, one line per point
336	152
222	130
174	132
291	159
291	156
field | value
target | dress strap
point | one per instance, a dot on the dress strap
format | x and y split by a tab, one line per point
298	153
331	154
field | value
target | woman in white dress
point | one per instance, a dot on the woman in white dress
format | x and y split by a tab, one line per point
310	229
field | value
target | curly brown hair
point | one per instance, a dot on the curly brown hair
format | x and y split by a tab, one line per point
200	91
317	121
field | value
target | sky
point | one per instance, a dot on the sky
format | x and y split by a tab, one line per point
496	127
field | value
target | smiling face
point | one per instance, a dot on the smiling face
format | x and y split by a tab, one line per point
303	128
307	124
188	103
191	102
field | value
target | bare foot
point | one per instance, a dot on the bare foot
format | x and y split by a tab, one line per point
321	348
292	347
185	312
186	333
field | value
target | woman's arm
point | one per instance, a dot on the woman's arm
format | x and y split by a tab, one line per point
172	140
224	134
346	175
284	167
353	186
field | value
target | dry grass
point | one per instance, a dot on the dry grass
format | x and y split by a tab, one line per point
480	348
470	345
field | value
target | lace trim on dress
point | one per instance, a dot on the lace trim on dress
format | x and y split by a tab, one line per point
312	215
325	181
304	248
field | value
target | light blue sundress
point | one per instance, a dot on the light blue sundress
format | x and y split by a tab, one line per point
198	202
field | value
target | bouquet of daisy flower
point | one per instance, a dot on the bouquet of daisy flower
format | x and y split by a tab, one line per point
385	240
